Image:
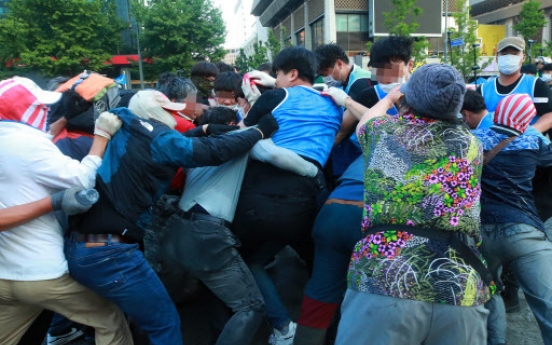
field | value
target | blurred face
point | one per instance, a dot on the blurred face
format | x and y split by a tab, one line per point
193	110
225	98
540	65
394	72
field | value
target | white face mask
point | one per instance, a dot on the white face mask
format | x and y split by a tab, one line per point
232	107
329	80
508	64
546	78
388	87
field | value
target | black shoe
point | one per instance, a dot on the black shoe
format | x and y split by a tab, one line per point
511	299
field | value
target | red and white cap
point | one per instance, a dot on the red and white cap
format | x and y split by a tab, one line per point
23	101
515	111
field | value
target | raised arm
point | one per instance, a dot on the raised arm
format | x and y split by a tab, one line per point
380	109
266	151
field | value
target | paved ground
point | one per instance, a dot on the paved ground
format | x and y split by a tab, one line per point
196	316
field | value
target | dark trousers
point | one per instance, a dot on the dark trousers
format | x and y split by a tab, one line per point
207	248
276	208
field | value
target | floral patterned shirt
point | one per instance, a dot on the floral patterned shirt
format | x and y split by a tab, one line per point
425	173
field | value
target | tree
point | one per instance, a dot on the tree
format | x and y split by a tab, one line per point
531	19
462	58
246	63
259	55
58	36
177	33
242	62
273	45
396	22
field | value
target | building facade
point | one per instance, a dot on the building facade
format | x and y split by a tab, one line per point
311	23
506	12
314	22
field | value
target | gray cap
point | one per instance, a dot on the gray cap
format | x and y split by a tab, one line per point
514	42
435	90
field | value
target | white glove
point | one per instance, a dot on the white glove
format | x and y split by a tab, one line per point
107	125
250	90
261	78
338	96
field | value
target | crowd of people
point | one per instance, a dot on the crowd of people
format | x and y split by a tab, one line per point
417	204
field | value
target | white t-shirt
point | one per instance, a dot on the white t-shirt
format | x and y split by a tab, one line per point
32	168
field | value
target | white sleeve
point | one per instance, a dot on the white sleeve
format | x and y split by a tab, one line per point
266	151
53	169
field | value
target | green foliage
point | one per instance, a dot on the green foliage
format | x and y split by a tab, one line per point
246	63
177	33
259	55
58	36
532	19
283	33
242	62
396	23
462	58
273	44
541	49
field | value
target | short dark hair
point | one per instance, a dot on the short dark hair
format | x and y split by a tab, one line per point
227	81
267	67
204	69
224	67
385	50
473	102
174	87
529	69
298	58
328	54
547	67
218	115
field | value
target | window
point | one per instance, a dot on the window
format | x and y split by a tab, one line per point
352	31
317	33
300	38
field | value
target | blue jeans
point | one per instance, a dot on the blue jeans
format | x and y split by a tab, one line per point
335	232
529	254
276	312
119	272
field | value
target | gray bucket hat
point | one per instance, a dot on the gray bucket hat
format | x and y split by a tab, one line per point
435	90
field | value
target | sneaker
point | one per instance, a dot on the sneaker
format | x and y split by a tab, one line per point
65	338
277	338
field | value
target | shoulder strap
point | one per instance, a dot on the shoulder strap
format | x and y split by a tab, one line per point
498	147
453	238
